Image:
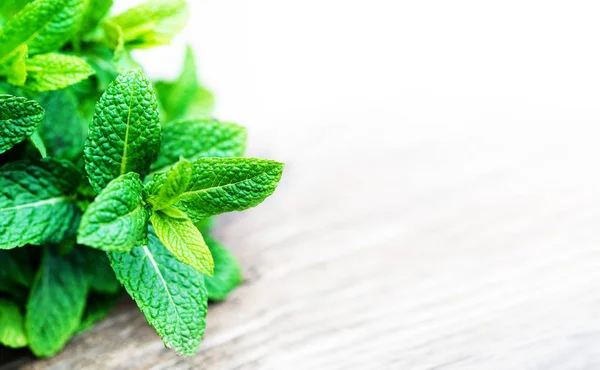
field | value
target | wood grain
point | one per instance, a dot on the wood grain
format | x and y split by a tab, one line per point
433	251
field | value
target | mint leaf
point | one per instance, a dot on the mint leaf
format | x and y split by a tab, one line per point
177	182
153	23
185	97
37	202
17	74
94	11
221	185
43	25
19	118
54	71
125	132
38	143
117	219
102	277
172	296
179	235
12	330
228	273
199	138
56	302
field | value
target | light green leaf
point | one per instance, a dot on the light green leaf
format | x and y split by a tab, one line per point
12	329
43	25
94	11
19	117
117	220
185	97
172	296
37	202
176	183
38	143
18	72
199	138
54	71
179	235
102	277
228	273
153	23
125	132
56	302
222	185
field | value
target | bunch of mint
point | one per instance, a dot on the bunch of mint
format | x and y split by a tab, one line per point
107	181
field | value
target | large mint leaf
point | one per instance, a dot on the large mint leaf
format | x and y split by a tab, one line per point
152	23
170	293
221	185
56	302
37	202
125	132
19	118
117	220
199	138
185	97
228	273
43	26
179	235
12	329
55	71
177	181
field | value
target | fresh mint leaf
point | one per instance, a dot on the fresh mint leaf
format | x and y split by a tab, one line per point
222	185
12	329
56	302
228	273
42	25
172	296
179	235
37	202
153	23
177	182
38	143
199	138
117	219
125	132
19	117
55	71
17	74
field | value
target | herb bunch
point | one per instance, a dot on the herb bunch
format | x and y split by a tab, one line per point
107	181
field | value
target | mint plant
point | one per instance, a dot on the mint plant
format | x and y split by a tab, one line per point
108	182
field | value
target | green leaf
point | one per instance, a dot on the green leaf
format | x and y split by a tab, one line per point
199	138
54	71
228	273
179	235
56	302
153	23
185	97
98	307
12	329
37	202
43	25
177	182
19	118
38	143
18	71
125	132
102	277
62	115
170	293
222	185
94	11
117	220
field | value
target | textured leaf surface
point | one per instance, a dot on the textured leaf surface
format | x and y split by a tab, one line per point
152	23
183	240
199	138
177	182
37	202
221	185
116	220
12	328
43	25
125	132
228	273
56	303
19	118
56	71
170	293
